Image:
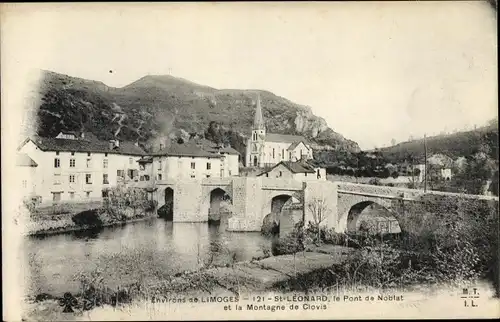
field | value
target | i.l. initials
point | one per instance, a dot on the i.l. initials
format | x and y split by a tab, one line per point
466	303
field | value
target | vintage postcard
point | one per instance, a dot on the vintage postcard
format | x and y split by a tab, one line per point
249	160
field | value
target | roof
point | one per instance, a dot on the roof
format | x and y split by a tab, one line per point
213	147
286	138
258	121
294	167
145	159
84	145
186	150
294	145
23	160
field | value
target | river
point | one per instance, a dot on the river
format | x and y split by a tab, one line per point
148	249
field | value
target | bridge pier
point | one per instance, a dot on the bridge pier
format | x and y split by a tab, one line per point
320	203
247	205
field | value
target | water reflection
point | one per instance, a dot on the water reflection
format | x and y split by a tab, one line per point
159	245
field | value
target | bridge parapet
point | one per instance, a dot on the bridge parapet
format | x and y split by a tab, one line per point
281	184
214	181
401	192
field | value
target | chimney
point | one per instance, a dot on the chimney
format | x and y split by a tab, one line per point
111	144
136	143
117	143
82	135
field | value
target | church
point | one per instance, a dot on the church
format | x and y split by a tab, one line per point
268	149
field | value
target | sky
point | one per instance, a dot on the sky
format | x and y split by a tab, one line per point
376	71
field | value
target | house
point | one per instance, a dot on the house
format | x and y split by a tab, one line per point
79	167
193	160
301	171
26	173
267	149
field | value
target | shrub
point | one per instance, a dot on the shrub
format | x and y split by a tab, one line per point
88	218
292	243
374	182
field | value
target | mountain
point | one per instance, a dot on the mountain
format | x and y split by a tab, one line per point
460	144
161	107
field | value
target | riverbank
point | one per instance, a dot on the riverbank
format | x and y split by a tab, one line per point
67	226
48	223
232	280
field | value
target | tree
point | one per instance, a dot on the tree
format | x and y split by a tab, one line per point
319	210
180	141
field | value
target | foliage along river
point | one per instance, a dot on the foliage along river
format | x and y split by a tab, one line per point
132	251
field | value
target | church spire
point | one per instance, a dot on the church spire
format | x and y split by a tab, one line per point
258	121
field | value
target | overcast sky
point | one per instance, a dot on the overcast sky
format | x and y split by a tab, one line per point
373	71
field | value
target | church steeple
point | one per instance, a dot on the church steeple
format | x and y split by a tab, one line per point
258	121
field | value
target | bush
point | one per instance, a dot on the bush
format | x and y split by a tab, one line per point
375	182
88	218
292	243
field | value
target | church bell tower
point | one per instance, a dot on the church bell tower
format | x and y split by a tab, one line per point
258	139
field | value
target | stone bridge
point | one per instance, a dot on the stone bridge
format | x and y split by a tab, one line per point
252	198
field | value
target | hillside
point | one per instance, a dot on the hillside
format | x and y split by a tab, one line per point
461	144
160	107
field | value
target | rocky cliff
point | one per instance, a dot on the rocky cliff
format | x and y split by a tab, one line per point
160	108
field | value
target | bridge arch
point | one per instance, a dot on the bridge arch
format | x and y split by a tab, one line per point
167	204
370	215
273	216
217	200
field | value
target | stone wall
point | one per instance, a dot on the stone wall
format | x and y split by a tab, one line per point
247	205
322	194
188	196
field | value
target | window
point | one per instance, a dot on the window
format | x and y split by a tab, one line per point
88	178
57	178
301	153
105	154
159	165
142	167
305	174
273	154
25	183
56	196
141	178
318	175
57	163
105	178
146	177
89	163
281	173
105	163
120	173
88	194
57	153
71	163
209	166
193	176
71	195
267	175
88	154
208	176
159	176
105	193
130	161
290	156
72	153
283	154
229	172
193	165
71	178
